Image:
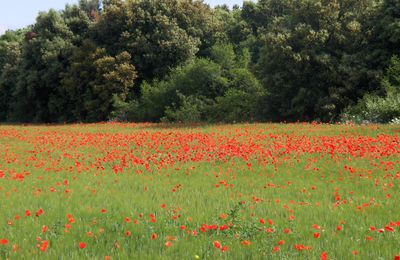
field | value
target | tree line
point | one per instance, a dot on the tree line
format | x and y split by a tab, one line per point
182	60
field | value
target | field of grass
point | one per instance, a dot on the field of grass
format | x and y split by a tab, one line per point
150	191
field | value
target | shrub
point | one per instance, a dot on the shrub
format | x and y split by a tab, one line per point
379	109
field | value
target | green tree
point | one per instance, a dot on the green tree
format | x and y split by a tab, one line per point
10	58
377	108
310	61
115	77
95	81
45	52
78	22
156	39
111	29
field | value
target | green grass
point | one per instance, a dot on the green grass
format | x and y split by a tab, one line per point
299	177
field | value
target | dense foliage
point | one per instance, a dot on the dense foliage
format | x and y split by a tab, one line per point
181	60
380	108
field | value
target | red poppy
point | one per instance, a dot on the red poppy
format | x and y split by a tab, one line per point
287	231
224	227
217	244
39	212
44	246
316	226
246	242
44	229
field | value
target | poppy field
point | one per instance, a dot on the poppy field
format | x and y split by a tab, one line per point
158	191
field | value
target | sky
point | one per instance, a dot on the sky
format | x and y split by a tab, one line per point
17	14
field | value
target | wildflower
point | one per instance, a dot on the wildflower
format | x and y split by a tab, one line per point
246	242
44	229
44	246
217	244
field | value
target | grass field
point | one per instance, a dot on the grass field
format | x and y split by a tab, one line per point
150	191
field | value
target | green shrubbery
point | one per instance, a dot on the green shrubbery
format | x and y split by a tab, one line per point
219	89
380	108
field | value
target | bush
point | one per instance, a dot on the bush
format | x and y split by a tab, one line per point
201	90
190	110
379	109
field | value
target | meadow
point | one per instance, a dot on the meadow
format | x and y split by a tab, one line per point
159	191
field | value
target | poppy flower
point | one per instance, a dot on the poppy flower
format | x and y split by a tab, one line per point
316	226
44	229
44	246
82	245
39	212
246	242
217	244
287	231
225	249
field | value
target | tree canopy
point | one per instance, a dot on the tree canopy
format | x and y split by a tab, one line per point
182	60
